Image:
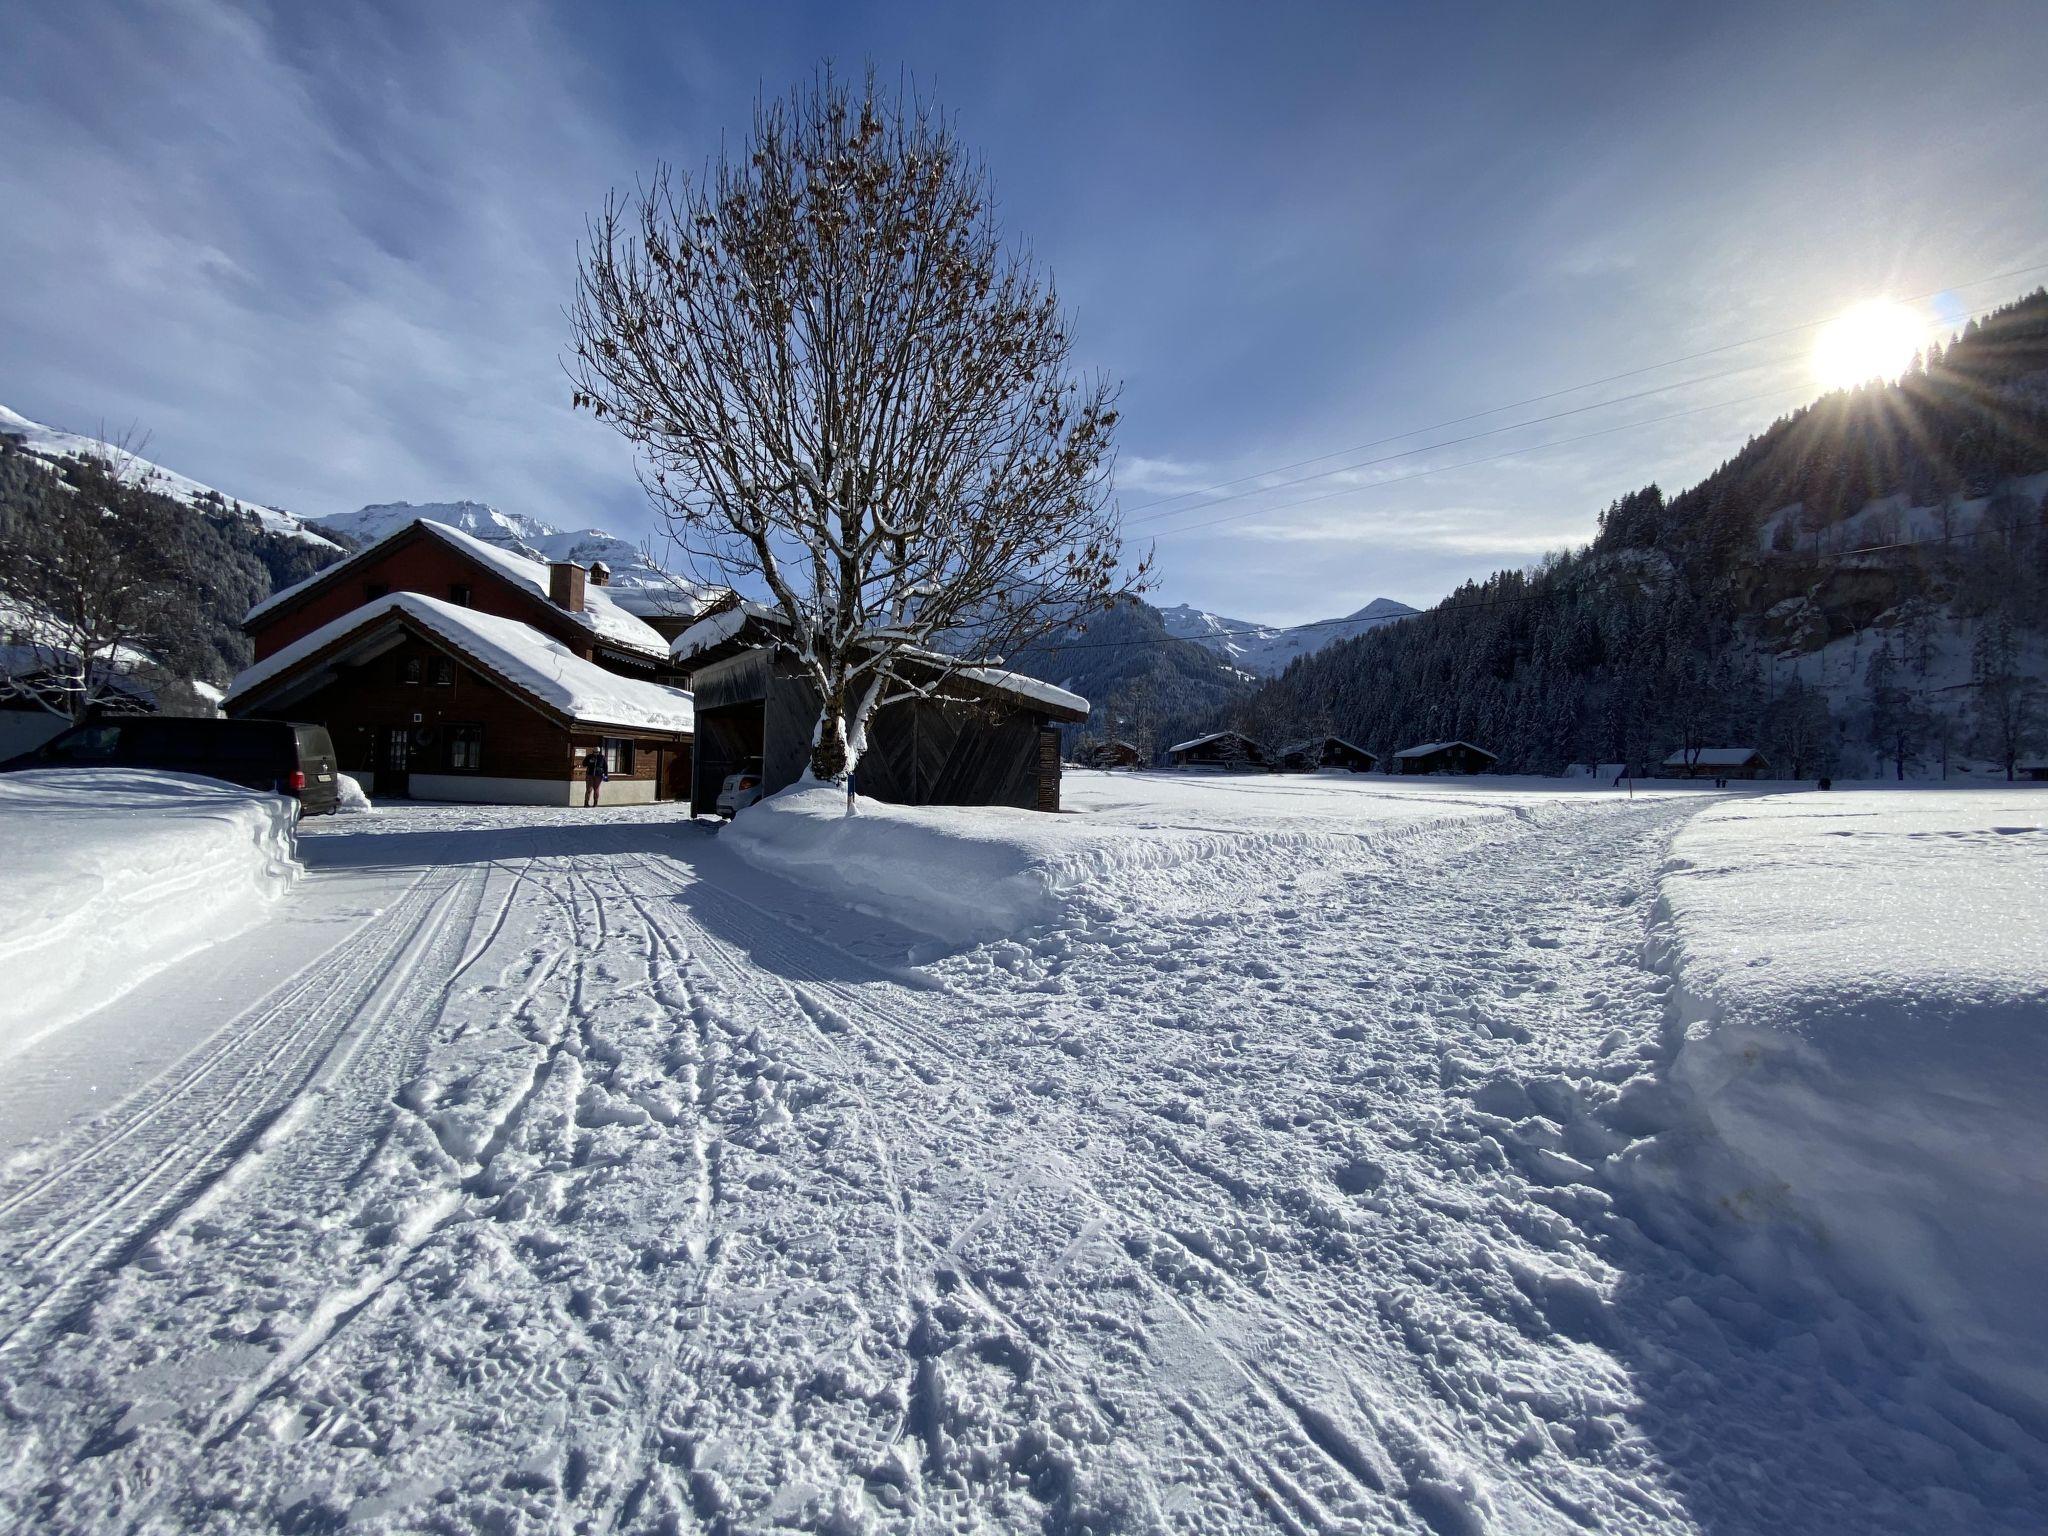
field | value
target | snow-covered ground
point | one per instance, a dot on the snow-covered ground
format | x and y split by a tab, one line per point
107	877
1299	1174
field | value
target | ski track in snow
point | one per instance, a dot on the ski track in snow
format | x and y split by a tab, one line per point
602	1184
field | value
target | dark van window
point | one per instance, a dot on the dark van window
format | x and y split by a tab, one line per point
88	744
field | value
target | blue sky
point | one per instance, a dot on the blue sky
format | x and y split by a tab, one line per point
320	253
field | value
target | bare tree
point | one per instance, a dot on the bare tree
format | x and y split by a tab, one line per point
88	590
847	393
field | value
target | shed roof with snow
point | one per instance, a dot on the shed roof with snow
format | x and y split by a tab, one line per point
1716	757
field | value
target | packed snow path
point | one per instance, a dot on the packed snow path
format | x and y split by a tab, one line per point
599	1183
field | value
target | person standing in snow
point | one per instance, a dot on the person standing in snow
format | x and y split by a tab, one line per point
594	775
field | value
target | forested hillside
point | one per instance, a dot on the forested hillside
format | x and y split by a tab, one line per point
1146	685
224	556
1863	588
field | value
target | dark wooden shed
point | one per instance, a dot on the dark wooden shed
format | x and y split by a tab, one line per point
1113	754
1445	757
992	741
1326	752
1717	763
1229	750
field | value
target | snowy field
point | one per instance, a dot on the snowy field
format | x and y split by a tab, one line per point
1308	1155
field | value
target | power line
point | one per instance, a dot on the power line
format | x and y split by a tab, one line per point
1490	458
1452	442
1799	389
1573	389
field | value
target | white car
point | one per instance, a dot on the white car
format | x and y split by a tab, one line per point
740	790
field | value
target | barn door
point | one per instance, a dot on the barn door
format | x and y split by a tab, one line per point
394	763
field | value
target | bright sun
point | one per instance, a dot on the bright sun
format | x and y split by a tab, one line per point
1874	340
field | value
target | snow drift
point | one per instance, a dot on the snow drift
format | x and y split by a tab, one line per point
107	876
968	874
1862	985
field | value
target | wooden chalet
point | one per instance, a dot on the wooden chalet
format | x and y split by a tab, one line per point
436	702
1113	754
1716	763
993	738
1444	757
560	599
1230	751
1326	752
445	668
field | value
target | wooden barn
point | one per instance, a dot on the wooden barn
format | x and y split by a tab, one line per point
993	741
1326	752
1716	763
1230	751
1113	754
1445	757
431	701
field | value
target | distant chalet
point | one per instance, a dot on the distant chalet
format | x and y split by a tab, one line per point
1717	763
984	736
1326	752
1445	757
446	668
1230	751
1113	754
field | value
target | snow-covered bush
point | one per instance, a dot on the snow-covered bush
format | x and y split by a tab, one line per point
352	801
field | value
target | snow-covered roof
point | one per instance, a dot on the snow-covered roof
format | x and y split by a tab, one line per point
707	634
718	628
1322	741
1203	741
535	664
1712	757
1429	747
601	615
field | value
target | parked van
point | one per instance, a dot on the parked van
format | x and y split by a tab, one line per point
275	755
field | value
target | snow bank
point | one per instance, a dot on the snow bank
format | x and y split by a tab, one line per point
966	874
109	875
1862	982
959	874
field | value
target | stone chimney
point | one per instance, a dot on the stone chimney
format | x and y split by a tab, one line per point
565	585
600	574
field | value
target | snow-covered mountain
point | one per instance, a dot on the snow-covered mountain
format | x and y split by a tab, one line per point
53	443
637	584
1266	650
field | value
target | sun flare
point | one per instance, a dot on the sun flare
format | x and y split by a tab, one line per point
1873	340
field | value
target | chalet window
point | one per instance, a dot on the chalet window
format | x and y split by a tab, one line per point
444	672
458	593
372	590
618	757
409	671
465	748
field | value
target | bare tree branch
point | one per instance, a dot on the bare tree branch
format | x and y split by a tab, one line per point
845	392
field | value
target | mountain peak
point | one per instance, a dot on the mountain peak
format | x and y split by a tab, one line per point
1267	649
